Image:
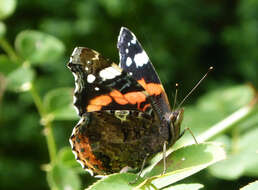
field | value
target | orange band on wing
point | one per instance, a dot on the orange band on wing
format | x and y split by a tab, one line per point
129	98
151	88
85	154
97	103
118	97
135	97
91	108
101	100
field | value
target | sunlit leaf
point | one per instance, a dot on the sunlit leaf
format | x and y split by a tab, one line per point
61	177
193	186
116	182
20	79
7	8
243	161
215	106
251	186
59	104
38	47
2	29
182	163
66	157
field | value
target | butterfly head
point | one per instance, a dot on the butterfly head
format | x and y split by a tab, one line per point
175	119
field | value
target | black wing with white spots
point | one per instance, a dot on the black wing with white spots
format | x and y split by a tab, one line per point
103	85
133	59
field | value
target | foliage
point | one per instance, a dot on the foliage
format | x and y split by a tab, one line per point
182	38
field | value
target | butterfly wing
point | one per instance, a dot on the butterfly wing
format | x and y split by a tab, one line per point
133	59
103	85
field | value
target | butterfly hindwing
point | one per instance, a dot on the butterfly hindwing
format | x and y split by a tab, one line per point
133	59
103	85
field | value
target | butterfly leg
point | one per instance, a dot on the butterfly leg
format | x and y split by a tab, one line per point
139	174
164	157
190	131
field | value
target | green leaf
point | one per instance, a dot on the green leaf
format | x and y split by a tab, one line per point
58	104
211	108
66	157
182	163
193	186
6	65
61	177
20	79
7	8
242	161
251	186
116	182
2	29
38	47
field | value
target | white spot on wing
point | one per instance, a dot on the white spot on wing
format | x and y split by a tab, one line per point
128	62
96	88
141	58
126	50
133	41
91	78
86	68
128	43
109	73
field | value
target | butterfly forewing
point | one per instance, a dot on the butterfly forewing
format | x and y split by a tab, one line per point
133	59
103	85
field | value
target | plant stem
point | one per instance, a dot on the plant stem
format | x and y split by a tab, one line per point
227	123
8	49
50	141
48	132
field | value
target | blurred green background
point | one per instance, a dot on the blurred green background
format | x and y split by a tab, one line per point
182	38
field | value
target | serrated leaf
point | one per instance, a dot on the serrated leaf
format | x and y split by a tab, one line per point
61	177
116	182
182	163
38	47
20	79
7	7
193	186
251	186
58	104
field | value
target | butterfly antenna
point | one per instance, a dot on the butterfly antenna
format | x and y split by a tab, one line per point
175	99
198	83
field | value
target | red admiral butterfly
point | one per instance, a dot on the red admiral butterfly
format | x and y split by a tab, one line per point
124	110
